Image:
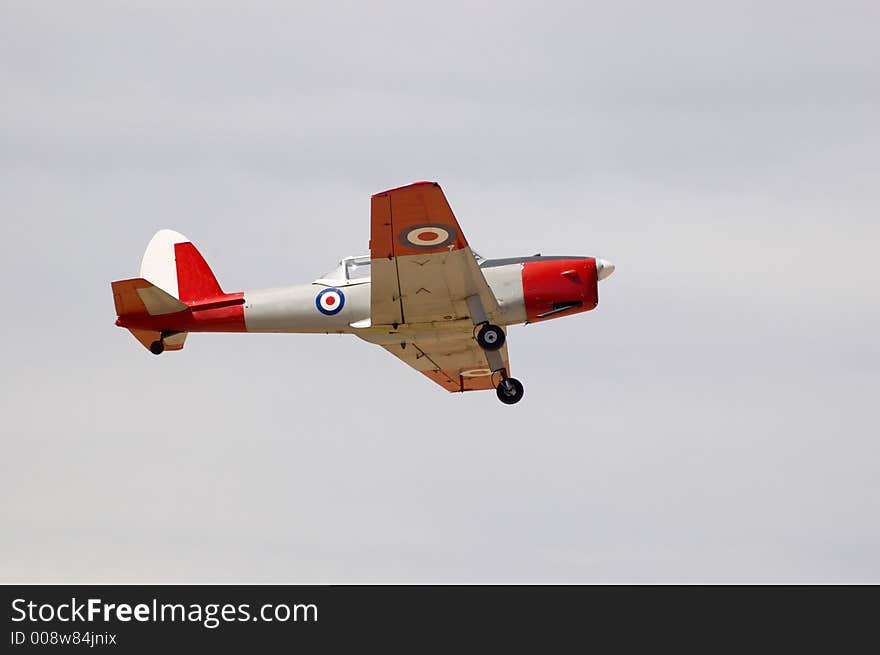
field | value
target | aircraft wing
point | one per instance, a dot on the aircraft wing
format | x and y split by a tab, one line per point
422	268
452	359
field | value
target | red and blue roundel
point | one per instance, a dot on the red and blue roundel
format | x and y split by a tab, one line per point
330	301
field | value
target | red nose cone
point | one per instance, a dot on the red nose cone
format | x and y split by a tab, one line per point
559	287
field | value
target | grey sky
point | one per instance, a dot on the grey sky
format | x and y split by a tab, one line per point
714	420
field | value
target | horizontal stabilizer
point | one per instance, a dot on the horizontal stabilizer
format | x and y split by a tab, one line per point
148	338
139	296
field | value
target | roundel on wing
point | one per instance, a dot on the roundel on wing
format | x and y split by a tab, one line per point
476	373
330	301
428	235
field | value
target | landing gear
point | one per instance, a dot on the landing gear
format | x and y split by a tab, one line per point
157	347
509	391
490	337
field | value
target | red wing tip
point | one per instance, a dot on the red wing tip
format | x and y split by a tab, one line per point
406	186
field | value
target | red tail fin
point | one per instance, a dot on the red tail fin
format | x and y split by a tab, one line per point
195	281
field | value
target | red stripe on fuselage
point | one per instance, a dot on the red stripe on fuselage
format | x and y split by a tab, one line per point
223	313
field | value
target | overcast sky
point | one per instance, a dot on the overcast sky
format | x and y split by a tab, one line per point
715	419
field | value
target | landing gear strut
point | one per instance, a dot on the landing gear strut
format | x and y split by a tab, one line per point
490	337
157	347
509	391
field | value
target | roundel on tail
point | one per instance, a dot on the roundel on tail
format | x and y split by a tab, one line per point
330	301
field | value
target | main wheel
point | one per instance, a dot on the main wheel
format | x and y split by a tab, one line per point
157	347
490	337
510	391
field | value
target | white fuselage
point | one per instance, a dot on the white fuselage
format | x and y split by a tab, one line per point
295	308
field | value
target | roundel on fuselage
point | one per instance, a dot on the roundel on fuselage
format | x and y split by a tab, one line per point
330	301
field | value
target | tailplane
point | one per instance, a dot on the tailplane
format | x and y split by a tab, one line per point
153	340
138	299
174	278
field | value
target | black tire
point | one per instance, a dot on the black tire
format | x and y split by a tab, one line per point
510	391
157	347
490	337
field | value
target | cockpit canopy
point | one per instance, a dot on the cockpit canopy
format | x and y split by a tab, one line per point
351	270
354	270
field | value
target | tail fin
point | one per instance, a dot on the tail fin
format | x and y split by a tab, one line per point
173	264
174	277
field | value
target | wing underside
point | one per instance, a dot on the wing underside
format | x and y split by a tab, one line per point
455	361
427	290
422	267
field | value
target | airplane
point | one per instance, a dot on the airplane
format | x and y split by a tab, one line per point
421	293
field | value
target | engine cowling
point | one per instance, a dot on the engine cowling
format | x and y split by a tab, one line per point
559	287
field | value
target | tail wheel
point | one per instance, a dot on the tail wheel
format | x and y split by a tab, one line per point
490	337
509	391
157	347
